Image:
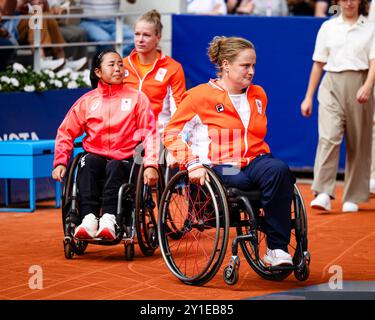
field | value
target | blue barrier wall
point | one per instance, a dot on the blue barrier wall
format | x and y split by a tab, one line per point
33	116
284	47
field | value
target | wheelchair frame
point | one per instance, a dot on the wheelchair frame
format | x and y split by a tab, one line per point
142	222
193	228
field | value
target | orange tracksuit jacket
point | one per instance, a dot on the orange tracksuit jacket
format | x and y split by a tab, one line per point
115	118
216	133
164	85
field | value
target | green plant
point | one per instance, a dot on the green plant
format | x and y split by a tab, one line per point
17	78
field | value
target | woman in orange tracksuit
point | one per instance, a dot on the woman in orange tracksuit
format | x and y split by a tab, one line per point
114	118
227	124
147	69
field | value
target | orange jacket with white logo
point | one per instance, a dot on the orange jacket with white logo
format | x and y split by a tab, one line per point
115	119
207	129
164	85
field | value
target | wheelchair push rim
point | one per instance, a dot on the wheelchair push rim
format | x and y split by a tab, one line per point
200	213
145	208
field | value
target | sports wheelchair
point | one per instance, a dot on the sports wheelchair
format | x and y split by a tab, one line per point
133	196
193	230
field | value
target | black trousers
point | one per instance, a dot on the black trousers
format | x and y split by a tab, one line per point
99	181
276	183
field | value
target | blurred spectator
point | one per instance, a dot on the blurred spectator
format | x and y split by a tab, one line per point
50	34
206	7
301	7
240	6
322	7
71	32
104	29
270	8
7	8
258	7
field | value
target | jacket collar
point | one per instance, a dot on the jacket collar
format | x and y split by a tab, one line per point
134	53
214	83
361	20
106	89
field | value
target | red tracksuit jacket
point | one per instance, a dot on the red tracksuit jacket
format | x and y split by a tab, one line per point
115	119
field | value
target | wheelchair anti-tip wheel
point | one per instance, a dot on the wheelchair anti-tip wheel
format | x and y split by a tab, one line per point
129	251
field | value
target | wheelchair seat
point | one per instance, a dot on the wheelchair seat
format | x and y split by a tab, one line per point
235	193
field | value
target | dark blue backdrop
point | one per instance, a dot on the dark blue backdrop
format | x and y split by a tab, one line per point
31	116
284	47
24	115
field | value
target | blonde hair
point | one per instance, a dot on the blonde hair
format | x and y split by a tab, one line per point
226	48
152	17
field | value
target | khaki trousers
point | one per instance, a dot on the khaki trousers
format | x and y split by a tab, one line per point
373	151
341	115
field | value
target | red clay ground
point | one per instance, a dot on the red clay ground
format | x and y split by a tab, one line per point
27	239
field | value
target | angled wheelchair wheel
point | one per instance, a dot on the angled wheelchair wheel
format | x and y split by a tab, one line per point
301	258
200	214
255	250
146	201
66	203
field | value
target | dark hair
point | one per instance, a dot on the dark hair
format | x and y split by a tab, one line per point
363	7
96	62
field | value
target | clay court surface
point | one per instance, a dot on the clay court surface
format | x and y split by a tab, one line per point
36	239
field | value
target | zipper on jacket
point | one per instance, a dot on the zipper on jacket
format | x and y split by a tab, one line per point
109	118
136	72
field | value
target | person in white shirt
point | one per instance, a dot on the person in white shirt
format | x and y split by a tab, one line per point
214	7
371	17
345	50
104	29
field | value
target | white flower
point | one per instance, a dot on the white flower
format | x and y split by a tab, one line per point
86	77
74	76
66	79
29	88
17	67
14	82
63	72
42	85
5	79
72	85
50	73
58	83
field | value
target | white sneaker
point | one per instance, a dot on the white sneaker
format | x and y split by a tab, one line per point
50	64
107	227
76	65
277	257
372	186
322	202
88	228
349	207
